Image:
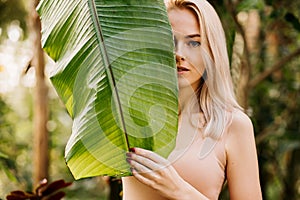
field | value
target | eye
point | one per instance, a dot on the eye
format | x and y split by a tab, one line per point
193	43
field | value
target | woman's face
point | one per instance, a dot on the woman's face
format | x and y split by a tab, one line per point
187	40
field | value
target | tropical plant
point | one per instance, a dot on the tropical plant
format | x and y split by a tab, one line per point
115	72
44	191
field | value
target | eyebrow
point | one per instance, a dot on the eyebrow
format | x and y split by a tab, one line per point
193	35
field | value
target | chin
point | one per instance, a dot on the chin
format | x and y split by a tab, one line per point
184	84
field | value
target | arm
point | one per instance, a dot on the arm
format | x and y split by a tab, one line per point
158	173
242	164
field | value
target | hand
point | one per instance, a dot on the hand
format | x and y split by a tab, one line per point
156	172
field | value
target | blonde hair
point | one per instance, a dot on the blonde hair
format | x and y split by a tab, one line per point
216	94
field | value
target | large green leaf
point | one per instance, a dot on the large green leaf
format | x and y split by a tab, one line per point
115	72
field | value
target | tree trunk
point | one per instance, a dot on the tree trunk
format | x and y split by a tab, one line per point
244	50
40	138
290	190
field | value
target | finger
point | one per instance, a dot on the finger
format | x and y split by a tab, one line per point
140	168
141	177
152	156
138	161
149	180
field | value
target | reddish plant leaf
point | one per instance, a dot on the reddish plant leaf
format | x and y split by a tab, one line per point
20	195
54	186
56	196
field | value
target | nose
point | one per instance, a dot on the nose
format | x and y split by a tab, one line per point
179	53
179	58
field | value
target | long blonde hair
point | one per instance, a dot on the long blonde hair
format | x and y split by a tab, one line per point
216	94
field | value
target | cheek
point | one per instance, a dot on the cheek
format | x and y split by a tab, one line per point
198	64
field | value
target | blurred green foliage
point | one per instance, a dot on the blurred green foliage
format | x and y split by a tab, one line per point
16	147
274	103
12	11
274	106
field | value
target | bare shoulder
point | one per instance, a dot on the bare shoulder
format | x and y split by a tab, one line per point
240	121
242	165
240	132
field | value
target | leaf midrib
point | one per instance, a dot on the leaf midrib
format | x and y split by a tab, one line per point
107	64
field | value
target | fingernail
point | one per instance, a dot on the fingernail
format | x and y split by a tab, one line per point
132	149
128	160
128	154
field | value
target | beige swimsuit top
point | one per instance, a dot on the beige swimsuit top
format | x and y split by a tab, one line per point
202	163
199	161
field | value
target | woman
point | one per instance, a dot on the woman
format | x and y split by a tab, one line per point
215	139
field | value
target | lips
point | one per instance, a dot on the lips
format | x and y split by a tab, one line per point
182	69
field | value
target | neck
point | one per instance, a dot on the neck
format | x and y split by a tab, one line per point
187	97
